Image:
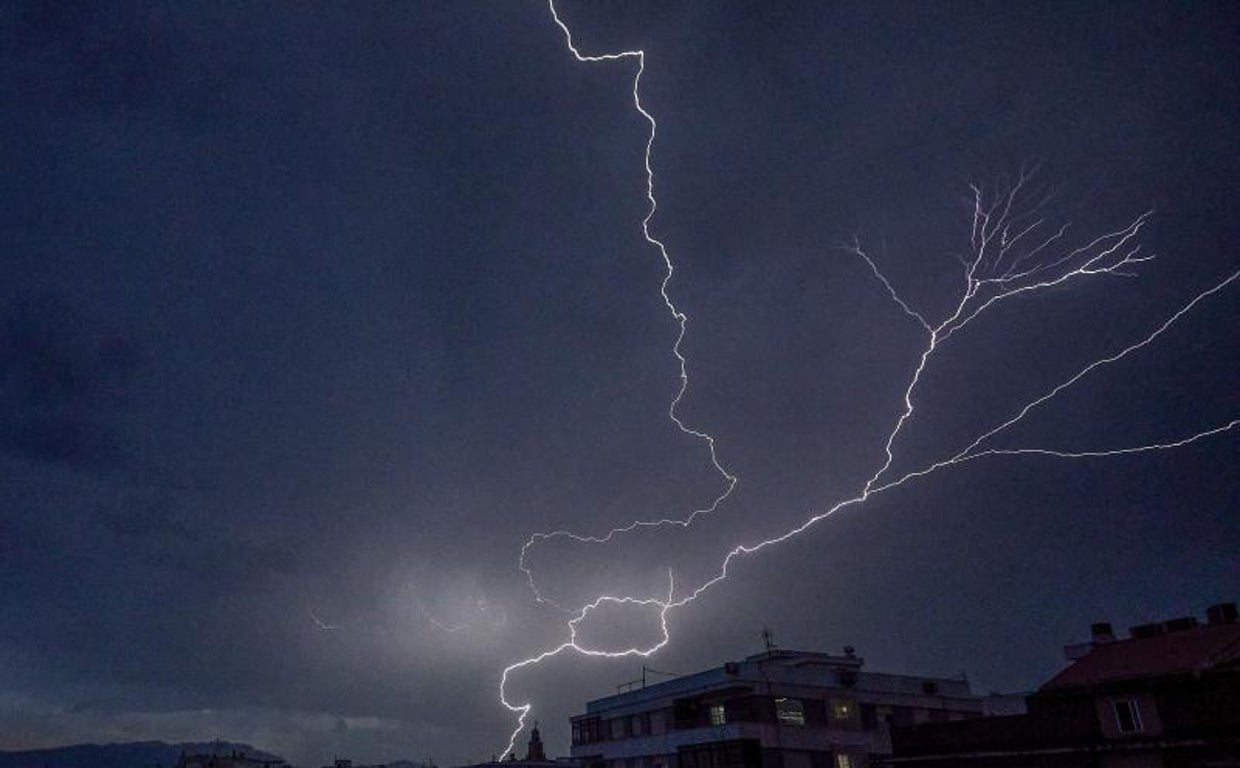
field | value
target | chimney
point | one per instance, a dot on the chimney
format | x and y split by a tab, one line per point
1101	632
1223	613
1143	631
1180	625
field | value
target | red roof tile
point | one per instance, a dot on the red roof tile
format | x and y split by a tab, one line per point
1186	651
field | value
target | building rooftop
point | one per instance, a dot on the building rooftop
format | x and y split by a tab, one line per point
1169	648
784	667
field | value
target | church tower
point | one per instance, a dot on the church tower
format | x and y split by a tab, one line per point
534	752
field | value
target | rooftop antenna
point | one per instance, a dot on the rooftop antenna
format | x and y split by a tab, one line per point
768	639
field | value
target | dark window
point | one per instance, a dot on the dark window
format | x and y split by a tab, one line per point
902	716
1127	716
740	753
869	716
688	713
815	711
588	731
738	710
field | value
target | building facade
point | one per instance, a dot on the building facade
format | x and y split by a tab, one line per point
1167	696
778	709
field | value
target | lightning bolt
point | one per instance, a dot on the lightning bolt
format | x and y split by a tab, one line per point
682	321
580	613
1013	253
319	622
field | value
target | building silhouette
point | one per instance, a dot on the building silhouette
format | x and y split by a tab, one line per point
776	709
1166	695
234	759
535	757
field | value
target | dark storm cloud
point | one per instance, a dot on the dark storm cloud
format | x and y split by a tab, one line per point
66	383
311	316
105	60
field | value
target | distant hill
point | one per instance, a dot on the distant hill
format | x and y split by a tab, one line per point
136	754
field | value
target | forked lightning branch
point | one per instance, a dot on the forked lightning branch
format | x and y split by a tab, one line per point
1014	250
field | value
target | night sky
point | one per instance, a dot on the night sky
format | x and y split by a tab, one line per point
312	313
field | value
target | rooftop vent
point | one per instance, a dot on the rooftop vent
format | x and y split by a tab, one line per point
1223	613
1101	632
1180	624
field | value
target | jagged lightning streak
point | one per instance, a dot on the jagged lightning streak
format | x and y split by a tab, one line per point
730	480
579	616
682	321
1001	267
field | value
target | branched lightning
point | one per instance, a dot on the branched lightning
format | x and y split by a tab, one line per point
1013	252
579	616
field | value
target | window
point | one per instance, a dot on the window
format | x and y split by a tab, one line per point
718	716
639	725
688	713
790	711
587	731
843	761
869	716
745	753
1127	716
843	709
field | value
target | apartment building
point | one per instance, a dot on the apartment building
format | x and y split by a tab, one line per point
1168	695
776	709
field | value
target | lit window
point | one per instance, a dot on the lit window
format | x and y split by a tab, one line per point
1127	716
790	711
843	761
718	716
842	709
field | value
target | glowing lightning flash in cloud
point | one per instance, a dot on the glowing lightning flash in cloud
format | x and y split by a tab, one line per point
319	622
1013	252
